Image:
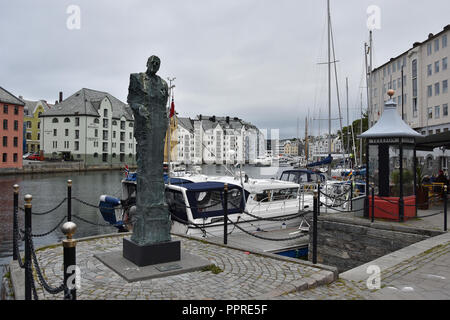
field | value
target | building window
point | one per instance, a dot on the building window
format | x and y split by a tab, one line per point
437	90
437	112
105	146
105	113
5	157
55	144
5	124
429	49
430	91
96	120
66	144
66	132
15	157
436	67
114	135
429	70
105	123
66	120
15	141
444	41
95	155
122	125
445	110
5	141
28	124
96	133
55	132
77	134
130	124
55	120
430	113
105	135
5	109
16	110
16	125
77	122
436	45
445	86
28	135
77	145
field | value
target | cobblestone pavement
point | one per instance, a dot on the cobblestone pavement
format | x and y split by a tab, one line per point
422	277
244	276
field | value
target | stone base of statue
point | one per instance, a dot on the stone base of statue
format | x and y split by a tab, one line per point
166	259
156	253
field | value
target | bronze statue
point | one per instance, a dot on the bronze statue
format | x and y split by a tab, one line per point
147	97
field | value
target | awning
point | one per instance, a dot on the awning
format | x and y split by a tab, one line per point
431	142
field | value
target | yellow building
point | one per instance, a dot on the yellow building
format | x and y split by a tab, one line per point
173	140
32	123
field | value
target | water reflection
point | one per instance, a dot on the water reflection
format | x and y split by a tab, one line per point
49	189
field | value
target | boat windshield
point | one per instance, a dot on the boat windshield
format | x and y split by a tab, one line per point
277	195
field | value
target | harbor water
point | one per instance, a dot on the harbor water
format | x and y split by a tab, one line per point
48	190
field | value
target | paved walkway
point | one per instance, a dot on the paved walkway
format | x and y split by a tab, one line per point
418	272
243	275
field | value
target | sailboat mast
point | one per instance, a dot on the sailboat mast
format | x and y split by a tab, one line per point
348	120
329	84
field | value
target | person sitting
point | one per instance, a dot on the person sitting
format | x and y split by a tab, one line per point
442	179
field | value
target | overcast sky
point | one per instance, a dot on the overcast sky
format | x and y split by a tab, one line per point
253	59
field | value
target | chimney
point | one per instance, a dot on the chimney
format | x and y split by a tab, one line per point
228	119
60	96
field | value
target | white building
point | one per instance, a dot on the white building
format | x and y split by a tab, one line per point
89	126
217	140
425	85
318	147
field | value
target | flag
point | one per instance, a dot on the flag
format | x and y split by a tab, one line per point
172	109
127	171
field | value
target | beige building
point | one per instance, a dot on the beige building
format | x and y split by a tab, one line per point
426	76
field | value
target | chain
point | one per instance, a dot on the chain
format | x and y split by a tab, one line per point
93	223
45	212
264	238
86	203
45	285
47	233
16	243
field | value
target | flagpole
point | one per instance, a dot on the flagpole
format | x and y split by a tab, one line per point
169	149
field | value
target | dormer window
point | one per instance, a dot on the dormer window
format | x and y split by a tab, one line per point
66	120
55	120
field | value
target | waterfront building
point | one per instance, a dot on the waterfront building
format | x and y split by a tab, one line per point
217	140
318	147
425	85
32	123
89	126
11	130
290	147
425	97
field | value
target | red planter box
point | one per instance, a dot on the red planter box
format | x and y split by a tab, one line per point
388	208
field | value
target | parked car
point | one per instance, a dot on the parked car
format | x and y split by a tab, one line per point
26	155
34	156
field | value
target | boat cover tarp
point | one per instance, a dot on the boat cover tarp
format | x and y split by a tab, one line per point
211	203
327	160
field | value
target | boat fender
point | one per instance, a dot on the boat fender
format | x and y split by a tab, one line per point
107	208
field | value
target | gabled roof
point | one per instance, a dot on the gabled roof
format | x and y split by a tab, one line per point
186	123
31	106
8	97
87	102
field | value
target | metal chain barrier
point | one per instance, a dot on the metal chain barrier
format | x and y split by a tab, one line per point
86	203
47	233
44	284
264	238
94	223
45	212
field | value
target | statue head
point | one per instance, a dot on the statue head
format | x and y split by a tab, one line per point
153	64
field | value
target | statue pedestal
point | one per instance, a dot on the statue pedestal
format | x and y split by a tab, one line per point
151	254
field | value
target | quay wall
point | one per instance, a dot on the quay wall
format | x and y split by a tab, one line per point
51	167
347	243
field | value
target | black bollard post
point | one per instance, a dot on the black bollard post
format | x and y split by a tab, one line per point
401	209
27	264
318	200
15	222
225	213
351	196
445	208
69	200
373	204
315	214
70	264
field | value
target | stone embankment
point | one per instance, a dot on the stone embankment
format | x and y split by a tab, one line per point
52	167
